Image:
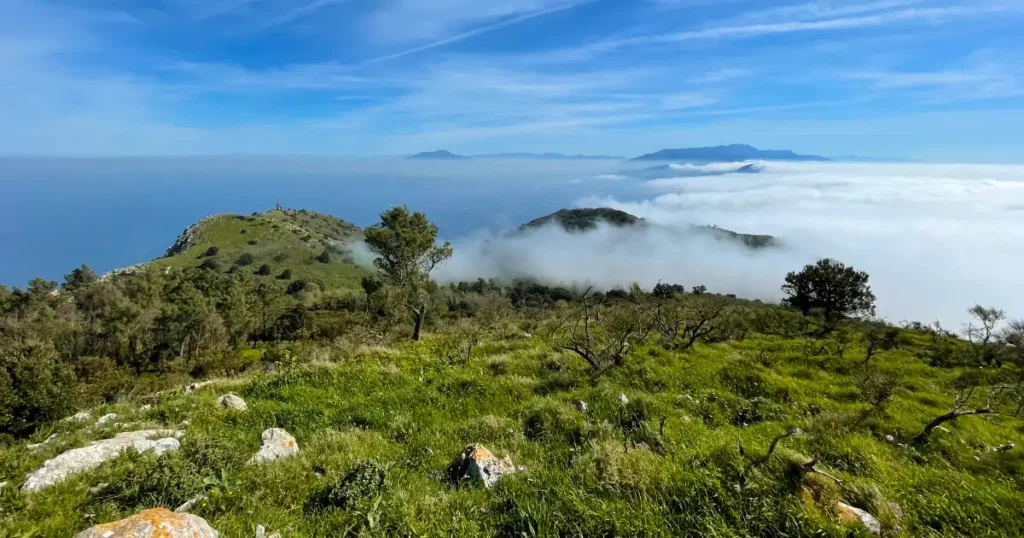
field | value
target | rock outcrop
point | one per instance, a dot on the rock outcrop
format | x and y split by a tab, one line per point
106	419
80	416
277	444
155	523
478	463
852	514
232	401
96	453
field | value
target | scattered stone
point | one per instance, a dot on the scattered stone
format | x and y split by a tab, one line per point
623	399
527	336
850	514
277	444
232	401
98	488
80	416
580	406
890	438
897	510
3	485
94	454
1007	447
478	463
261	532
106	419
155	523
146	407
189	504
187	422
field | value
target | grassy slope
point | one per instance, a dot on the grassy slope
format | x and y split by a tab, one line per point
411	412
284	239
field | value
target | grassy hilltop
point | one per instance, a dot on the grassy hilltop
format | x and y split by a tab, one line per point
704	415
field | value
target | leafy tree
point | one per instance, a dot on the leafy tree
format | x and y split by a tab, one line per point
324	257
700	290
35	387
667	291
371	285
79	278
837	290
406	252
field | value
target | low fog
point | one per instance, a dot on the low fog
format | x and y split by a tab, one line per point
934	238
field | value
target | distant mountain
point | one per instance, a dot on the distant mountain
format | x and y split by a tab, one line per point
439	155
734	152
548	157
587	219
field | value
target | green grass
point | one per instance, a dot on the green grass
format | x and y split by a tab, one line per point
282	239
412	415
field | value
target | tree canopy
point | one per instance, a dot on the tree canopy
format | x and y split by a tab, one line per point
827	285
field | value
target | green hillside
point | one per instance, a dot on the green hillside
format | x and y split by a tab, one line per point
282	239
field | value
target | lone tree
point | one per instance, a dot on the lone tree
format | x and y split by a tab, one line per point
406	252
837	290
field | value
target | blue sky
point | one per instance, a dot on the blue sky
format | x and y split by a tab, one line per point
924	79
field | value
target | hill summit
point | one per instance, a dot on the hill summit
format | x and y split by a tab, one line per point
730	153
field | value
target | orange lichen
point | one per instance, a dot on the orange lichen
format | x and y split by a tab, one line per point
161	520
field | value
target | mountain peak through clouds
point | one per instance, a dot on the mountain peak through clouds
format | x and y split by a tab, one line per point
439	155
730	153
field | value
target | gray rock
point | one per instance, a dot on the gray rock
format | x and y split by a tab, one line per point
194	387
232	401
580	406
106	419
189	504
623	399
277	444
146	407
80	416
155	523
852	514
261	532
896	509
96	453
478	463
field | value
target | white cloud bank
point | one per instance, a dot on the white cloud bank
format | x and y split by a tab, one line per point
934	238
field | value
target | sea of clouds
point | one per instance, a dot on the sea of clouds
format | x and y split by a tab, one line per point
935	239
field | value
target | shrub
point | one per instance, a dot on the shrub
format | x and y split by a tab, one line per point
285	275
212	251
264	270
366	480
324	257
34	388
210	264
253	242
245	259
296	286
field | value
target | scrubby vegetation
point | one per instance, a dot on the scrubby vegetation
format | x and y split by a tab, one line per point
626	413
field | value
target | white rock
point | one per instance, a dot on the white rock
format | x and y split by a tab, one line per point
96	453
851	514
158	522
80	416
890	438
189	504
277	444
261	532
196	386
580	406
478	463
106	419
146	407
3	485
623	399
232	401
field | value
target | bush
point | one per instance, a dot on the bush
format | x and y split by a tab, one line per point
245	259
366	480
324	257
264	270
253	242
285	275
296	287
210	264
212	251
34	388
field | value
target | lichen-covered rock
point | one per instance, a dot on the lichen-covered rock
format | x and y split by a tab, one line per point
277	444
80	416
580	406
155	523
232	401
852	514
106	419
94	454
478	463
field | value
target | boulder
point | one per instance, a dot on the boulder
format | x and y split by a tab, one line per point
96	453
852	514
623	399
155	523
80	416
106	419
232	401
580	406
37	446
277	444
478	463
